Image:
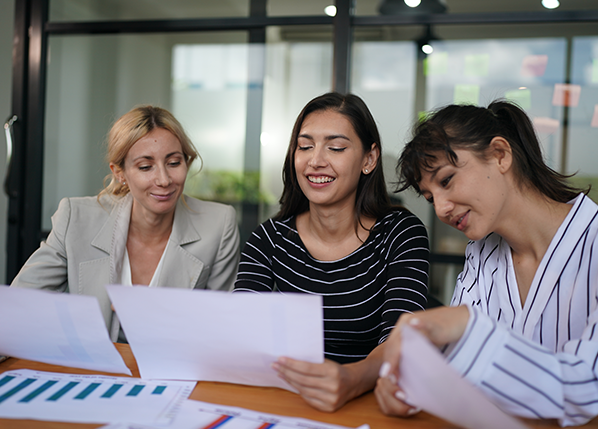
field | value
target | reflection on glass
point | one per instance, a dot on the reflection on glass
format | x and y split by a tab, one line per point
99	10
582	133
522	70
295	73
209	97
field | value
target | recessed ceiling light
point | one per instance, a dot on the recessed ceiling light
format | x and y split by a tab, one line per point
330	10
550	4
412	3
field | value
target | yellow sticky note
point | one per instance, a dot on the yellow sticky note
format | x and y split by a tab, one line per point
466	94
523	97
477	65
436	63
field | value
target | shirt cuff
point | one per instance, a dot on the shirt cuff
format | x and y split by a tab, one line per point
480	344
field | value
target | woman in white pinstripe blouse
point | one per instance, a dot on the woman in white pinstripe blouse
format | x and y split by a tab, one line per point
522	321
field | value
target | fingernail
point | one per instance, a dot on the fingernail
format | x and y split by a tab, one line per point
414	321
413	411
384	369
400	395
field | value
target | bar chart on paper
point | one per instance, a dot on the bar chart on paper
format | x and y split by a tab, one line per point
27	394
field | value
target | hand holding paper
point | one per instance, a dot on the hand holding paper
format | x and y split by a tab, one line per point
215	336
56	328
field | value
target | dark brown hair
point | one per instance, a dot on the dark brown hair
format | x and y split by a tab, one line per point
372	197
473	128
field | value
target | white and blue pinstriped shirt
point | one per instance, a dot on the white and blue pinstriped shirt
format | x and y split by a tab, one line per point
539	360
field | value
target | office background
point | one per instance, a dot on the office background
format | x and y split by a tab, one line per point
237	84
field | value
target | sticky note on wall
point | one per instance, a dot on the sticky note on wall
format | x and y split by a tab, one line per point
466	94
594	123
477	65
566	95
534	65
436	64
523	97
545	125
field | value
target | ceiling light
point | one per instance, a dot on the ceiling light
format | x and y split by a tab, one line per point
330	10
399	7
550	4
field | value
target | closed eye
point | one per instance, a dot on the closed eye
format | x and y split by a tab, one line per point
337	149
445	182
302	148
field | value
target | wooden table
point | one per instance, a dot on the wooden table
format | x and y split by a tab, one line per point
265	399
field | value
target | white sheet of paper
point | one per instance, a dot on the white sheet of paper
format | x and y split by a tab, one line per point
431	384
182	334
39	395
196	414
56	328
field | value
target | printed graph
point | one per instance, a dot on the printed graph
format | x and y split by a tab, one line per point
89	398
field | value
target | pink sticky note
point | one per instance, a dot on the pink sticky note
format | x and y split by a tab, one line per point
595	117
566	95
534	65
546	125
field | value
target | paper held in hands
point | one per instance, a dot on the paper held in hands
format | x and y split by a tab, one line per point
181	334
56	328
433	385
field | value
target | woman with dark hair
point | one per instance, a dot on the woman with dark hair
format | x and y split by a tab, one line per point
522	322
337	235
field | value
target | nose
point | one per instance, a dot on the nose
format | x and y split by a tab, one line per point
162	177
317	158
443	207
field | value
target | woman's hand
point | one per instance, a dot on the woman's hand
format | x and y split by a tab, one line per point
326	386
441	326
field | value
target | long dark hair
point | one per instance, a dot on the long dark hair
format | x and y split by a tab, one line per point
473	128
372	197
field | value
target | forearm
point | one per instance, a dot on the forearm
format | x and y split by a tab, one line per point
364	373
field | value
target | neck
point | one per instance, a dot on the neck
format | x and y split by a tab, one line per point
151	228
334	224
531	223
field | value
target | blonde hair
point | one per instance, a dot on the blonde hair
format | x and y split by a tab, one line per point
131	127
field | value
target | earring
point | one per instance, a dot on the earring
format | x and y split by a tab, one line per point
366	171
124	183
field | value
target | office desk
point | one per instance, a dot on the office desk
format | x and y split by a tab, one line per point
265	399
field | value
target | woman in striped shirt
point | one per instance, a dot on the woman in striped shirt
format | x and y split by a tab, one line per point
337	235
522	326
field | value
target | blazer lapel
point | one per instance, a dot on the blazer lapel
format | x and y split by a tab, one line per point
112	237
181	268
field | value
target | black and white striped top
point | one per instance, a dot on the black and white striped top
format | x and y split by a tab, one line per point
539	360
363	293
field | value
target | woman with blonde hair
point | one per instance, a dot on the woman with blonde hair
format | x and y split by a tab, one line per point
141	229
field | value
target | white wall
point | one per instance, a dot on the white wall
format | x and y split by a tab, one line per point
6	36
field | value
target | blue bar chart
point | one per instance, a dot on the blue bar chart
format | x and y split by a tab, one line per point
27	394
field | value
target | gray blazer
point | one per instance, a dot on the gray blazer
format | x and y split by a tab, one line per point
85	249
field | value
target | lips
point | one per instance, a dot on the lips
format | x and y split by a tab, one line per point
320	179
461	222
163	197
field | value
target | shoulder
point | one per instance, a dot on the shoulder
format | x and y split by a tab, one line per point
401	222
85	206
200	210
484	248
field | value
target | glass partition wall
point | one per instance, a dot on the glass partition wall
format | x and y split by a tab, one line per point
237	73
